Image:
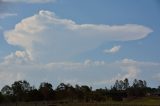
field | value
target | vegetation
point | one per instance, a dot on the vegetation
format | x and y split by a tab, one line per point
120	92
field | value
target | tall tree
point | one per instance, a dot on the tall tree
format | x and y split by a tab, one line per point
126	83
20	89
1	97
7	90
46	90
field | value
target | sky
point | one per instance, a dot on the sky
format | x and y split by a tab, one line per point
85	42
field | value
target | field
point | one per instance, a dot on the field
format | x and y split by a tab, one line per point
146	101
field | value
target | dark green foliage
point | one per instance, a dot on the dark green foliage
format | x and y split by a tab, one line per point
138	89
1	98
7	90
46	91
99	95
117	95
34	95
21	91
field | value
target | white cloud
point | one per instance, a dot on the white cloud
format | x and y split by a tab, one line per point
70	81
5	15
94	73
130	71
73	65
8	77
114	49
49	44
63	38
10	73
126	68
30	1
19	57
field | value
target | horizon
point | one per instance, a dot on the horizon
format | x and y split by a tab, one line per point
85	42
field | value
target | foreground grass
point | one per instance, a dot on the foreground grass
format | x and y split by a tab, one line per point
146	101
106	104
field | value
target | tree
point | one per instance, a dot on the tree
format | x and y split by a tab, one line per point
67	92
117	95
145	83
126	83
135	83
119	85
86	90
99	95
79	93
35	95
116	85
20	89
46	90
1	97
138	89
7	90
61	87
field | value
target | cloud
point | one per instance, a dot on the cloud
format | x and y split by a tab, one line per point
30	1
73	65
72	81
19	57
10	73
63	38
45	49
130	70
114	49
8	77
5	15
94	73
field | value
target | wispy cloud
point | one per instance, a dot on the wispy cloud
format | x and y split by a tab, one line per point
73	65
94	73
5	15
30	1
114	49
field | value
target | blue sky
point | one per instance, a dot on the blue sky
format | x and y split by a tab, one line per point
79	41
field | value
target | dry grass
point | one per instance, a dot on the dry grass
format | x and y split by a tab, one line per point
147	101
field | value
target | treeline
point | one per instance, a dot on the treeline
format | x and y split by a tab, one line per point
22	91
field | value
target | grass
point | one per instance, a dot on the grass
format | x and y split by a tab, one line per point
145	101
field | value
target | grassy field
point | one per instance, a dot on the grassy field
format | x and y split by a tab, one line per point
104	104
146	101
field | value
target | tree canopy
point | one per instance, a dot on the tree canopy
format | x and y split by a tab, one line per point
23	91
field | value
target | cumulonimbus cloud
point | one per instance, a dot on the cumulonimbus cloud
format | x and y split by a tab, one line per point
63	38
